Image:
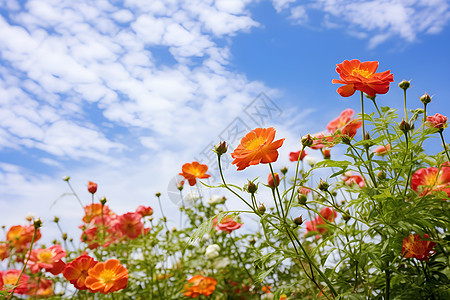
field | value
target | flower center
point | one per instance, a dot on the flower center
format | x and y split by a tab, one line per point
254	143
10	279
364	73
107	276
45	256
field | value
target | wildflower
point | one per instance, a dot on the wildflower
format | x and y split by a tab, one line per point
311	160
428	180
257	147
212	251
144	211
415	246
130	225
345	124
437	121
199	285
180	185
107	277
95	210
304	191
271	182
349	179
221	263
194	170
76	271
20	237
216	199
361	76
4	250
221	148
382	150
9	279
48	259
320	140
227	224
326	153
318	224
42	287
92	187
293	156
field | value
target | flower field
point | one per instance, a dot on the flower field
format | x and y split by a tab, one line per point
376	226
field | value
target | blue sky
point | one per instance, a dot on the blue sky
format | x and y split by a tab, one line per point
124	92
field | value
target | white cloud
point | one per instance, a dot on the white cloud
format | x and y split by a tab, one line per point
379	20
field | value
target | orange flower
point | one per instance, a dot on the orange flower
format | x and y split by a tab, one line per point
194	170
20	236
415	246
95	210
77	271
227	224
48	258
9	279
431	179
4	250
361	76
199	285
257	147
107	277
382	150
92	187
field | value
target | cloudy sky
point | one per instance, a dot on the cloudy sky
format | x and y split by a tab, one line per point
124	93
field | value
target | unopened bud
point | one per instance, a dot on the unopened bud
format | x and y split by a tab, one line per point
64	236
252	241
404	126
326	153
103	201
346	216
262	209
283	170
425	99
346	139
56	220
323	185
381	175
367	137
251	187
298	220
158	194
221	148
370	97
180	185
37	223
164	219
302	199
273	181
307	141
404	84
66	178
92	187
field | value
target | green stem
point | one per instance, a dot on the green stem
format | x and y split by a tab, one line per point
240	258
295	180
278	193
75	194
404	100
443	144
362	116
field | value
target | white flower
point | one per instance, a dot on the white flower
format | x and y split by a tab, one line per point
268	296
212	251
190	198
221	263
311	160
216	199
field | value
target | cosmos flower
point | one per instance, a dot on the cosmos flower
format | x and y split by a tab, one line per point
428	180
194	170
107	277
227	224
199	285
76	271
417	247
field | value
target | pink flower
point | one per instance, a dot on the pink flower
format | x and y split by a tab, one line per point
47	259
437	121
92	187
130	225
319	224
349	179
345	123
382	150
304	191
10	277
144	210
227	224
293	156
271	182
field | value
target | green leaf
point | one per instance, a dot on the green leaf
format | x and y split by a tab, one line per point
333	163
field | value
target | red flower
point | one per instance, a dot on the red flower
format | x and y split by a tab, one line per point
77	271
349	179
382	150
92	187
47	259
345	123
144	210
428	180
130	225
257	147
107	277
194	170
4	250
319	224
293	156
271	182
437	121
304	191
415	246
20	236
199	285
227	224
361	76
10	277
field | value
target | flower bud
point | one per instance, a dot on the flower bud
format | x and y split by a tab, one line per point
262	209
404	126
302	199
66	178
251	187
298	220
103	201
37	223
252	241
221	148
381	175
64	236
283	170
180	185
56	220
326	153
404	84
425	99
346	139
271	182
307	141
346	216
367	137
92	187
323	185
158	194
